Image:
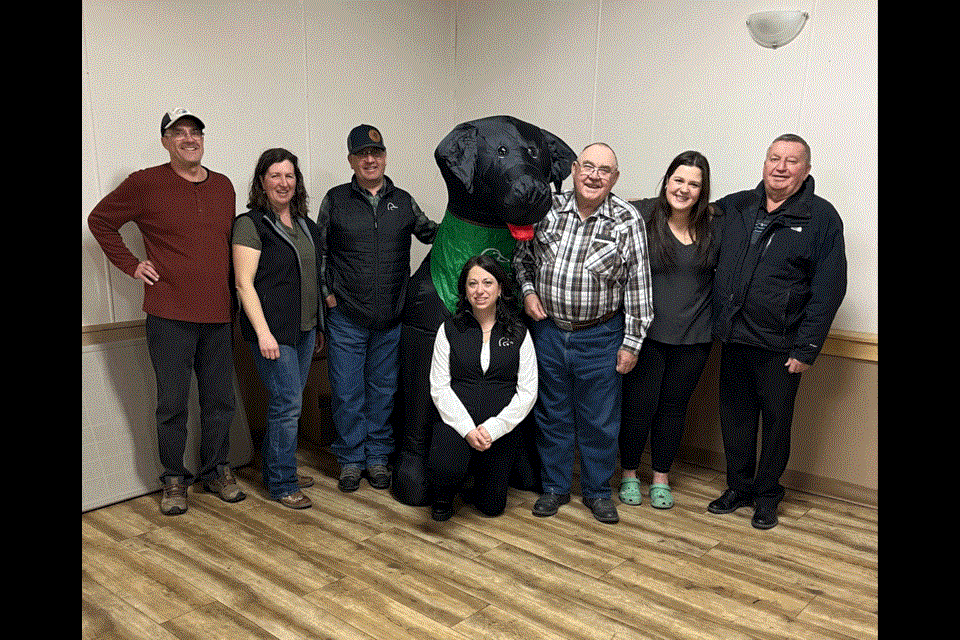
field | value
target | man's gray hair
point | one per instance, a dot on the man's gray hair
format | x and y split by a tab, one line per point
792	137
601	144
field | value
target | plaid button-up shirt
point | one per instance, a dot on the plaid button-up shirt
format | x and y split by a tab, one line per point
584	269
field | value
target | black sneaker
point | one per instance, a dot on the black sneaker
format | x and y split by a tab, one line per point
349	479
378	476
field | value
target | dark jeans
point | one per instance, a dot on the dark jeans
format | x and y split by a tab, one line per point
755	384
452	458
177	349
655	396
363	380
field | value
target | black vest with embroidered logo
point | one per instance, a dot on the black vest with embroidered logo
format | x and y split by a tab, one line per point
368	253
483	394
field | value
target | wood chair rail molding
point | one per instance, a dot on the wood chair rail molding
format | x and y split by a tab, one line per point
844	344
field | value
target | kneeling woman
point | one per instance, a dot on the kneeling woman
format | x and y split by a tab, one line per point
483	380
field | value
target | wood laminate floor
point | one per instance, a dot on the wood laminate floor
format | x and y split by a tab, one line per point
362	566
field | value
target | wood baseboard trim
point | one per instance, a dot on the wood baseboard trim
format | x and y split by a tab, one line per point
792	479
853	345
112	332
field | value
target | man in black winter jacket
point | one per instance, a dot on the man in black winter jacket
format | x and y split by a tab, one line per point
367	225
780	278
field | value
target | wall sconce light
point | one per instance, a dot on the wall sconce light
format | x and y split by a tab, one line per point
774	29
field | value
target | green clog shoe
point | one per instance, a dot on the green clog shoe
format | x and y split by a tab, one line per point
660	496
630	491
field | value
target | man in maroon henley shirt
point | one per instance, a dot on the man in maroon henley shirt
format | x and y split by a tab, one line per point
185	213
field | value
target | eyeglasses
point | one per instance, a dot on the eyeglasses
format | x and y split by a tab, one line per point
588	168
180	134
370	151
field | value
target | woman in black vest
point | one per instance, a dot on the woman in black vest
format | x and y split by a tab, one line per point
483	380
278	283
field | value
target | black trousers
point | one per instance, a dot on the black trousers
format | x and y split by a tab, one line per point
756	389
177	349
451	459
655	397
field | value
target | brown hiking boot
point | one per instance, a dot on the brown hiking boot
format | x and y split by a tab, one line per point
174	500
225	485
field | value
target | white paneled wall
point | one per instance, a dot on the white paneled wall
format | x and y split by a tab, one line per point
119	442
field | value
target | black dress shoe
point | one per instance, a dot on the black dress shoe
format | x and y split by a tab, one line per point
603	509
764	517
549	503
441	511
730	501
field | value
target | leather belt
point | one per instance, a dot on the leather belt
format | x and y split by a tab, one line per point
585	324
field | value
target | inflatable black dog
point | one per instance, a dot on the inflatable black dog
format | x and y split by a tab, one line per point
498	172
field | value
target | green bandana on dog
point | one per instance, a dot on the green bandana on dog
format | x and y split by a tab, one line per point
457	241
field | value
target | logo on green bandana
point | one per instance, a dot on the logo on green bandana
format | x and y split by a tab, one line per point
457	241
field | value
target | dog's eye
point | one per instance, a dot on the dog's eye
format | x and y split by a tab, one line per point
534	152
502	152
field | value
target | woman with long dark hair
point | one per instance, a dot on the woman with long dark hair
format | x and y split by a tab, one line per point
483	380
683	254
275	260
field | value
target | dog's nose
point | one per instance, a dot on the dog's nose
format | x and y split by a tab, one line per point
527	199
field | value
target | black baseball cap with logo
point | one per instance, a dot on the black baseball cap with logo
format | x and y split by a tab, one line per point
363	136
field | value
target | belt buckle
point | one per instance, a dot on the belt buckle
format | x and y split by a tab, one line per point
563	324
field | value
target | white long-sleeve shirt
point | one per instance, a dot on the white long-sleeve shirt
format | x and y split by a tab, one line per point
454	413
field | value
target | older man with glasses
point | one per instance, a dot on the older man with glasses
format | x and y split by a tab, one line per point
585	280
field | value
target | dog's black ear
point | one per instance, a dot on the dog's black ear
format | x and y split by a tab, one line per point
458	152
561	159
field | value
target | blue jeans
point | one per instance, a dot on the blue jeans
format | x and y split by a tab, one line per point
578	403
284	379
363	380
